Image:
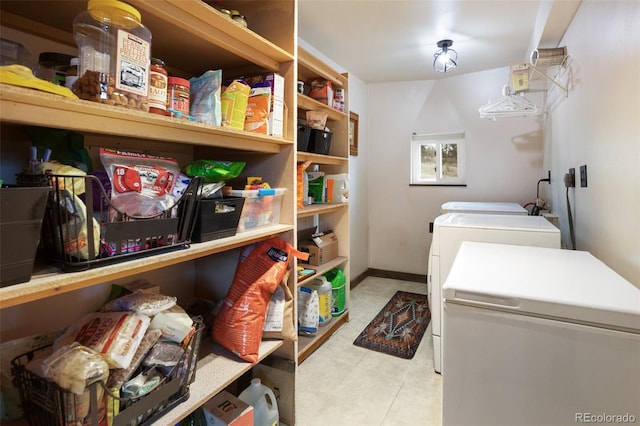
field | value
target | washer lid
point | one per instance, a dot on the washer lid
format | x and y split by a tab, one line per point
560	284
483	207
496	221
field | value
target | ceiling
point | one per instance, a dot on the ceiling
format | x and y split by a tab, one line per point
394	40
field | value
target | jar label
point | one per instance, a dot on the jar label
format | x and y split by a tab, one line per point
132	64
158	91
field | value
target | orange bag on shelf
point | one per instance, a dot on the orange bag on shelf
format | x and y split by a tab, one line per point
240	322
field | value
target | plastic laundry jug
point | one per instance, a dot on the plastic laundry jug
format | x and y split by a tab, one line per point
265	407
323	287
338	291
337	188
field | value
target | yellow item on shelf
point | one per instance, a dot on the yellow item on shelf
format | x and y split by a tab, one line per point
233	102
19	75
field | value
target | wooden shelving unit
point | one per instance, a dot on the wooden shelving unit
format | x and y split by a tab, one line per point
192	37
333	217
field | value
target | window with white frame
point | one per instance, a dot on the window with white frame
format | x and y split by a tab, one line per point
437	159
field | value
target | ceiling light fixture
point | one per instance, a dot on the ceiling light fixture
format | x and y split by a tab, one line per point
445	59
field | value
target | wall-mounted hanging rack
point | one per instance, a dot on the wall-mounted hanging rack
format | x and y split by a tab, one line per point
541	59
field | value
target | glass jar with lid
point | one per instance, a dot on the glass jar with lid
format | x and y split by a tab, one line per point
158	86
114	55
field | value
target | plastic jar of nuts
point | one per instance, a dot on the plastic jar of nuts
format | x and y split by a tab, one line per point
114	55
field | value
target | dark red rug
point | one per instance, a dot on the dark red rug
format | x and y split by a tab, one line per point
398	328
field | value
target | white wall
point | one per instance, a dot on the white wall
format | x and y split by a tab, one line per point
598	124
504	160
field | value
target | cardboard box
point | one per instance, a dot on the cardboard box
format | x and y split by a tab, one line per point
321	249
225	409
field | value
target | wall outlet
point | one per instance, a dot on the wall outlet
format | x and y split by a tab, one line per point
583	176
570	178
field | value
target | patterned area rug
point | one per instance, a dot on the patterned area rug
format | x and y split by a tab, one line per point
398	328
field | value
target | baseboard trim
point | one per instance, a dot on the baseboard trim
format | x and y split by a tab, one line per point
381	273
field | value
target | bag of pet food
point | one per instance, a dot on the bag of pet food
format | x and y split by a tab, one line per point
240	322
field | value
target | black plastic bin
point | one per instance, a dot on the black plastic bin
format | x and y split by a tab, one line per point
320	141
21	213
217	218
304	134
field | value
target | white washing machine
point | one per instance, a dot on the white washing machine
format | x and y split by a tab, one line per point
483	207
451	229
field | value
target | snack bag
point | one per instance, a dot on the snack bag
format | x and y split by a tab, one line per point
114	335
215	171
141	184
240	323
257	116
234	101
204	104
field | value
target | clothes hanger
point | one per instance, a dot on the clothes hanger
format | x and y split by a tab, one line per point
509	105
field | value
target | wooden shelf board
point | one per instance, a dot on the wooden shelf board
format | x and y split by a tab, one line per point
321	269
308	345
211	26
215	371
314	209
308	104
321	159
32	107
186	34
310	65
51	284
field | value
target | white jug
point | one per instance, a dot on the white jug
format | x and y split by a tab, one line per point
265	407
337	188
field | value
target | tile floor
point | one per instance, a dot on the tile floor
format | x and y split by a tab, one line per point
342	384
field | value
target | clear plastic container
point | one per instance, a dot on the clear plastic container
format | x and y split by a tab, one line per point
115	55
52	66
261	207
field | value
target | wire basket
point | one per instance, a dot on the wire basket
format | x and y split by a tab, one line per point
46	404
84	228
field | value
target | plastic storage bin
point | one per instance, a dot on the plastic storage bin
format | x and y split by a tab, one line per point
46	404
320	141
86	230
261	207
21	214
217	218
304	134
